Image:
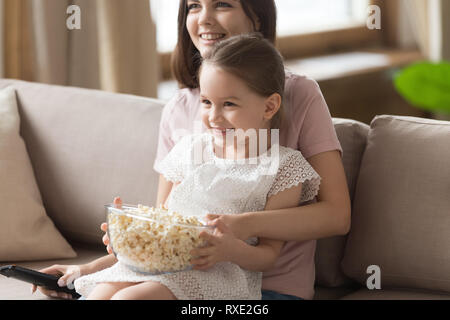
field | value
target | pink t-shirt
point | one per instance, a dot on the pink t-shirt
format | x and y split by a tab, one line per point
309	129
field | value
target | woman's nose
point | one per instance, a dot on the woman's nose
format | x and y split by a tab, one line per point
206	17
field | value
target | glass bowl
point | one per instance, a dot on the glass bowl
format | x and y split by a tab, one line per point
152	240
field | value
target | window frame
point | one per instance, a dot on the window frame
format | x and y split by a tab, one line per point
327	42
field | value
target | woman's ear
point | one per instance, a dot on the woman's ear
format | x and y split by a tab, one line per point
272	105
258	25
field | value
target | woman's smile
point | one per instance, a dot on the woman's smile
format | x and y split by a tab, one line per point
209	39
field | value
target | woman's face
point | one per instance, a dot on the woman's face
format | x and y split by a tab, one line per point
229	104
209	21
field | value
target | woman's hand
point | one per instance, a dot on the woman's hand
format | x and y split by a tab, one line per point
234	222
104	226
68	275
222	244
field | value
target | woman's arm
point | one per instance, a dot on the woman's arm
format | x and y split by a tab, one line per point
330	216
224	246
263	256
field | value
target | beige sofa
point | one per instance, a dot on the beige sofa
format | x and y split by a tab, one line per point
87	146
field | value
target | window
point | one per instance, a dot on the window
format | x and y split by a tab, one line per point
305	16
294	17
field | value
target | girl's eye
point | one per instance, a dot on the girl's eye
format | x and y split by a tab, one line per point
229	104
207	102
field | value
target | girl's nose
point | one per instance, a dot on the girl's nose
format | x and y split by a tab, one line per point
215	115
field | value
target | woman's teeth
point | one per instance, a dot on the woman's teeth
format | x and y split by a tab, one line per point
209	36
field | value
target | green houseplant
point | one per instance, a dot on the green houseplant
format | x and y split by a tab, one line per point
426	85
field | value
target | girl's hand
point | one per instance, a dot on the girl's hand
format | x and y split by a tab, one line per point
234	222
68	275
104	226
105	239
222	244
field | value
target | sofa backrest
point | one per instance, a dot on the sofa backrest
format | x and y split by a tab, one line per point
329	251
401	212
87	146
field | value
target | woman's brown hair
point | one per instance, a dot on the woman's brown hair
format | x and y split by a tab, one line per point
254	60
186	59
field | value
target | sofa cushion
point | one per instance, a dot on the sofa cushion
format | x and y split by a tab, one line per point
401	209
12	289
26	232
329	251
86	147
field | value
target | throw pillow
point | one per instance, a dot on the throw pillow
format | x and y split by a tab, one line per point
26	232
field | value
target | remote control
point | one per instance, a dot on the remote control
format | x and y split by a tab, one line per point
38	278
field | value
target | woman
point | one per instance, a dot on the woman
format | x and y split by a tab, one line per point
309	129
201	23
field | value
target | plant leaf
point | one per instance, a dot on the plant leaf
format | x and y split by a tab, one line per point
425	85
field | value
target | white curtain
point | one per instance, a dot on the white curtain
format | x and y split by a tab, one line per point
115	49
428	21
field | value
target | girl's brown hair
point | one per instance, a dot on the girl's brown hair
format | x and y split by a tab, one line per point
186	59
253	59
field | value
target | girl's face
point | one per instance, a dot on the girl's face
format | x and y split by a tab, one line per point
209	21
229	104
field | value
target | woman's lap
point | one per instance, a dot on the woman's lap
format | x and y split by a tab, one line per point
273	295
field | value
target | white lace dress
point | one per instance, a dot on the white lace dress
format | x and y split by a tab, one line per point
217	185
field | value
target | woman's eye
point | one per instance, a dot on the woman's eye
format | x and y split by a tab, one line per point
207	102
223	4
193	6
229	104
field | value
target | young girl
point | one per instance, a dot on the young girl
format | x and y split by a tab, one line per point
242	83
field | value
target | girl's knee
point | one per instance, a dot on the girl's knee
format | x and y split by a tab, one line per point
105	291
145	291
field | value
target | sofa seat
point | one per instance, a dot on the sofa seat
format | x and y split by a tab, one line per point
12	289
395	294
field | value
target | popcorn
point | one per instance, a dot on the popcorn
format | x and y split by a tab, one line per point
154	240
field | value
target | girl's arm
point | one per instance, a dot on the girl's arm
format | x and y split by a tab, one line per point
164	189
224	246
99	264
330	216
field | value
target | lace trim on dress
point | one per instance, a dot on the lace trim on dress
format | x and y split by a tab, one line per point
294	170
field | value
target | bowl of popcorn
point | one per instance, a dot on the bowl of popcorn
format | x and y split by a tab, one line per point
153	240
